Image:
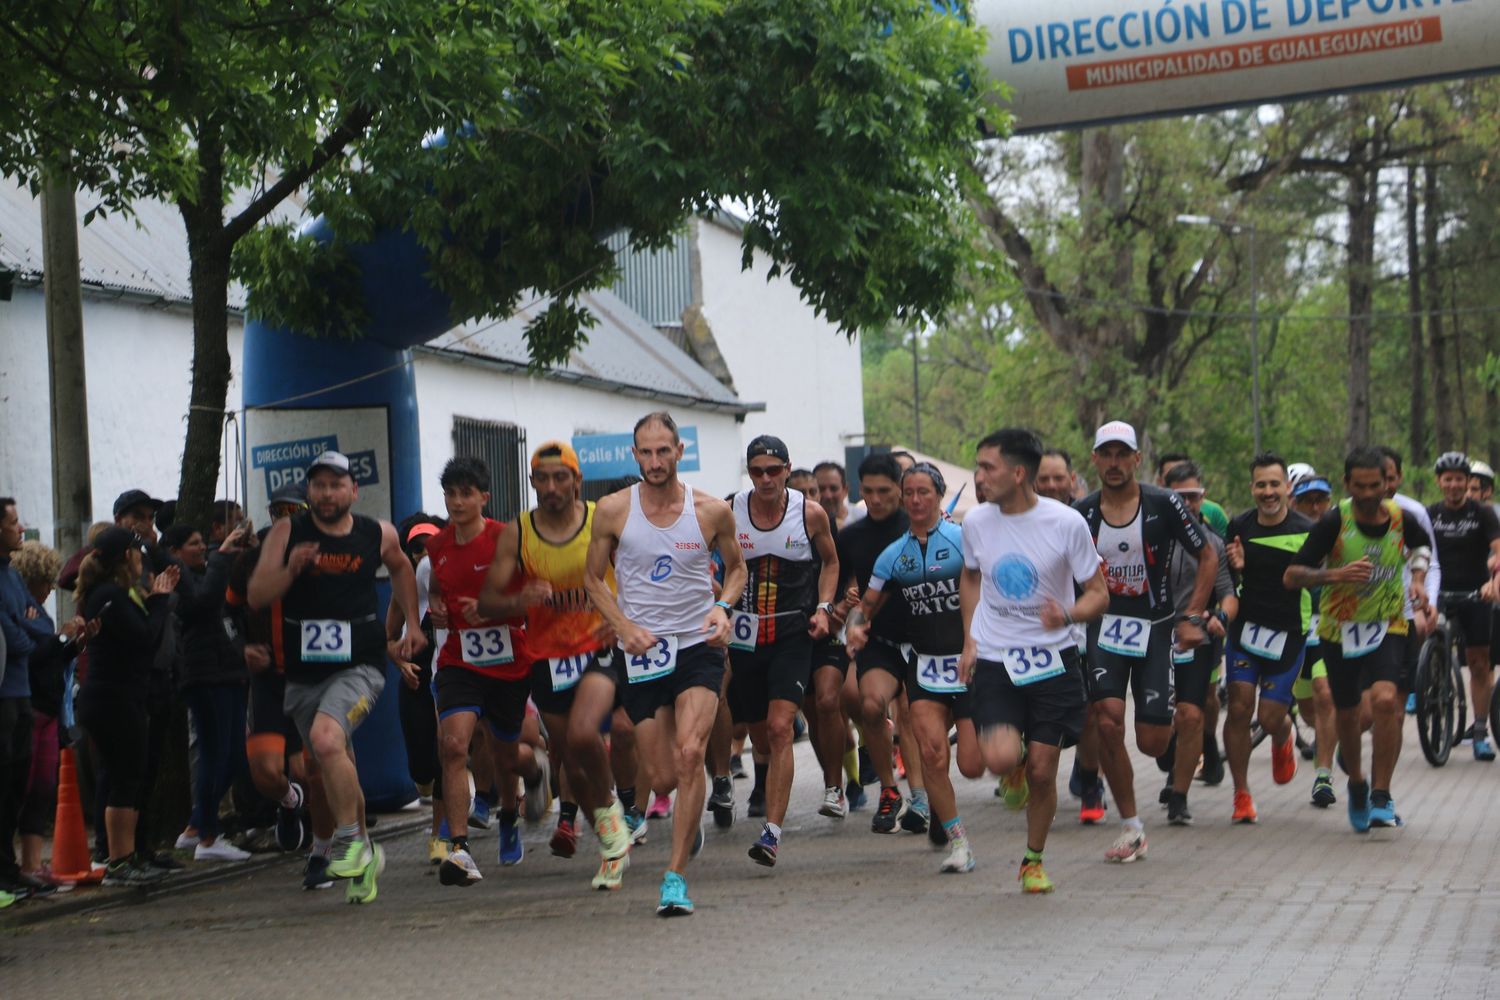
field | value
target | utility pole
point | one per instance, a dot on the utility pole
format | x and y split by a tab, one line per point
916	391
72	491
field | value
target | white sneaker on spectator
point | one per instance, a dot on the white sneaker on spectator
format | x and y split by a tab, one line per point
220	850
186	840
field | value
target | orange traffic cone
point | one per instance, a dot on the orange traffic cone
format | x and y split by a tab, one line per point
70	845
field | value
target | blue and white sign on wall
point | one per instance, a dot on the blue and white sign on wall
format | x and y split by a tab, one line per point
608	456
283	442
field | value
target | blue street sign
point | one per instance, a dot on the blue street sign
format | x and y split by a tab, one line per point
608	456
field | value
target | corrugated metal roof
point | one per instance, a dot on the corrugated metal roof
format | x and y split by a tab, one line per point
623	352
657	284
144	254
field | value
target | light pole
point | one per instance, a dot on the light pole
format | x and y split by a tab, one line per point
1204	220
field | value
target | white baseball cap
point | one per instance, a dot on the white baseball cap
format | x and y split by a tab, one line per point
1116	430
331	460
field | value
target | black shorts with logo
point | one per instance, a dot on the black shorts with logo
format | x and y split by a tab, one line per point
1049	711
777	671
501	703
1349	678
1148	677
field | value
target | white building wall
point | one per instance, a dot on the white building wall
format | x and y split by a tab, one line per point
138	363
448	387
779	353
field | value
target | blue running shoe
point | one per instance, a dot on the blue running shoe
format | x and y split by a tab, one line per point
1483	750
1075	782
1384	815
854	794
1359	807
1411	704
511	848
763	851
674	898
443	832
480	816
635	822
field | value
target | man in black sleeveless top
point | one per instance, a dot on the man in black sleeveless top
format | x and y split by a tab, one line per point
322	566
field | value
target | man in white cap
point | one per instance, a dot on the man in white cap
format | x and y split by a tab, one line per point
1135	527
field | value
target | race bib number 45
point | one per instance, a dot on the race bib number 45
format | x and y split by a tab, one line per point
939	674
656	662
1029	664
325	641
1362	638
1124	636
486	647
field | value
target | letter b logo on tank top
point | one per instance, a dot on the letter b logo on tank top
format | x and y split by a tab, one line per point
662	569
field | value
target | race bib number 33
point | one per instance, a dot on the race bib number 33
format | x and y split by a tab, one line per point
656	662
487	647
325	641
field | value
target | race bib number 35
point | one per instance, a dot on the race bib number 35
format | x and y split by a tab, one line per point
487	647
566	670
325	641
1362	638
939	674
744	627
658	661
1124	636
1029	664
1267	643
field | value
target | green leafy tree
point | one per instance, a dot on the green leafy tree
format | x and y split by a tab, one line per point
844	126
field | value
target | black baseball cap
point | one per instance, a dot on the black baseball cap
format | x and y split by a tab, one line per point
131	499
290	493
765	444
113	543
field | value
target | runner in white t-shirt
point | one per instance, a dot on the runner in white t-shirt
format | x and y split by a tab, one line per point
1023	554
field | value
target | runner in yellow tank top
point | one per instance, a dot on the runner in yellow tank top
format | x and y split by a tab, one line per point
573	679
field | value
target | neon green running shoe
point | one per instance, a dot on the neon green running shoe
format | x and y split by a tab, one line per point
1015	789
1034	879
352	859
362	888
614	833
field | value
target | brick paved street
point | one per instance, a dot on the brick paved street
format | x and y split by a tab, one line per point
1296	906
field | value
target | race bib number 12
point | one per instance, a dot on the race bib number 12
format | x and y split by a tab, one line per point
1363	638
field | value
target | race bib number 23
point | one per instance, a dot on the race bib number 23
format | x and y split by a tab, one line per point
325	641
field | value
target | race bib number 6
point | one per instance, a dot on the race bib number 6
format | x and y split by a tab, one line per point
325	641
486	647
1362	638
1029	664
658	661
1124	636
744	627
939	674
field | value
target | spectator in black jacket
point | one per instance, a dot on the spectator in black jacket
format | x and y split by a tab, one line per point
212	676
112	705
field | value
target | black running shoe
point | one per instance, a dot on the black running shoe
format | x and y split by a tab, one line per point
721	802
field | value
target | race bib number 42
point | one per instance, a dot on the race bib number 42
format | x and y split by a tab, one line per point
1029	664
325	641
487	647
744	627
1362	638
939	674
1124	636
656	662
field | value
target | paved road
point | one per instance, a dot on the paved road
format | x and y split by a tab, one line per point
1296	906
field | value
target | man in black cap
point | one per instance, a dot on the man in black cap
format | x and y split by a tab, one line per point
786	605
136	510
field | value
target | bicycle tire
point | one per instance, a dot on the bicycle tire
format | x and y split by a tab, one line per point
1457	655
1432	684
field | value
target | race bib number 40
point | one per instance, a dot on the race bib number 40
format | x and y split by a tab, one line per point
658	661
325	641
744	627
566	670
1267	643
1029	664
1124	636
939	674
1363	638
486	647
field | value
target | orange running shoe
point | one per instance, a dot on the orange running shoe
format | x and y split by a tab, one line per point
1284	761
1244	808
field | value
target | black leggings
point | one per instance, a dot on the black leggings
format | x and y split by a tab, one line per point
419	727
118	729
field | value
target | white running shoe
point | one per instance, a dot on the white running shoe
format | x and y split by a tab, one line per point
835	806
186	840
220	850
459	869
1131	846
960	858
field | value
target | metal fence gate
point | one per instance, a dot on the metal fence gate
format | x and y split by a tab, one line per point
502	447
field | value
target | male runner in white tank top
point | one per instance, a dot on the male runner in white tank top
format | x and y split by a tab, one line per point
661	534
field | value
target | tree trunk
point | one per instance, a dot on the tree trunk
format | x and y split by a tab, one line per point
1442	397
1363	207
72	490
1457	334
1416	354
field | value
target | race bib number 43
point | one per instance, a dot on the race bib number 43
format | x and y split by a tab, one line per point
325	641
1029	664
487	647
1363	638
939	674
1124	636
658	661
